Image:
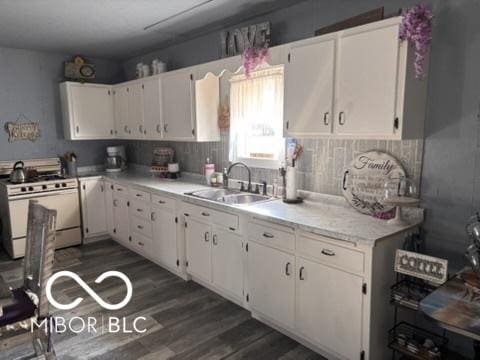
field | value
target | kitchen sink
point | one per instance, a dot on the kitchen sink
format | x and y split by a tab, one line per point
230	196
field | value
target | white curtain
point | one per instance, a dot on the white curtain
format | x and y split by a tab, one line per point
256	118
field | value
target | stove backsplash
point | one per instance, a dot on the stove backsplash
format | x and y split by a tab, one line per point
320	167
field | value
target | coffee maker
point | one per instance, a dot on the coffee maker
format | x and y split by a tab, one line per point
116	159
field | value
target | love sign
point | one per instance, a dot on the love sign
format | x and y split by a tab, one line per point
364	180
234	42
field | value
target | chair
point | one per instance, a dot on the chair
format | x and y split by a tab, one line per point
30	301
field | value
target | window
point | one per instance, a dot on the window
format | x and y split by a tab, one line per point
256	120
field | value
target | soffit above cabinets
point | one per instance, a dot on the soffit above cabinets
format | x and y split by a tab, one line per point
118	29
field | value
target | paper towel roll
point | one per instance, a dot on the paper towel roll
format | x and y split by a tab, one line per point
291	192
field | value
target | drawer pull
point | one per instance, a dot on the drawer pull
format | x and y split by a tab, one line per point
207	236
138	195
119	189
140	227
141	243
328	252
161	202
268	235
300	273
325	118
205	214
140	210
287	269
341	118
215	240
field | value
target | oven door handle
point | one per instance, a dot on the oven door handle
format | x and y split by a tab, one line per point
42	194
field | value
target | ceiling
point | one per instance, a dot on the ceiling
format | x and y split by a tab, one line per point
115	29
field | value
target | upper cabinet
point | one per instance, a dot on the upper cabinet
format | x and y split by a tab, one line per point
87	111
357	83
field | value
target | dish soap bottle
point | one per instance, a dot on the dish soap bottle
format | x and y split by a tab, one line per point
208	170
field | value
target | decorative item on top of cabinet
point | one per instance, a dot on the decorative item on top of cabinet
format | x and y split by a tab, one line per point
236	41
364	179
78	70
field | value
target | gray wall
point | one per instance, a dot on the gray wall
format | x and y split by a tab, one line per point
451	165
29	86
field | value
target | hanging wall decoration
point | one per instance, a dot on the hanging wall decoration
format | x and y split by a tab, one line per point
22	129
224	115
416	28
235	42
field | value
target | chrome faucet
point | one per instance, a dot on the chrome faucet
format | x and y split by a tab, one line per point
249	187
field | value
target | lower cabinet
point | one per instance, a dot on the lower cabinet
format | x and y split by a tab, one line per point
121	219
271	281
197	237
165	236
329	306
227	261
93	207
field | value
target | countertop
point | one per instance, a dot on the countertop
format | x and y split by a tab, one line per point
322	214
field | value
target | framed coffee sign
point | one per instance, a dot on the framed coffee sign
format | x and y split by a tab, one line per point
364	179
234	42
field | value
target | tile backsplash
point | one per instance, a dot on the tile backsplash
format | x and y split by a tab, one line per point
320	168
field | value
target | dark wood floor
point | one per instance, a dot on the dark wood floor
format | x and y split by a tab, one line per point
184	320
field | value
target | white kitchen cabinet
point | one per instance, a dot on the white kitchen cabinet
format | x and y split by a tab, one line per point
152	110
178	104
93	207
367	82
207	101
227	261
121	219
329	305
165	236
109	208
135	110
87	111
309	80
120	100
198	236
271	280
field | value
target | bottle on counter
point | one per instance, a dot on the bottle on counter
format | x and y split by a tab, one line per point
208	170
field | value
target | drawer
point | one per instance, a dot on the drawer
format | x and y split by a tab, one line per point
120	189
325	250
270	234
141	226
139	194
217	217
142	244
163	202
140	209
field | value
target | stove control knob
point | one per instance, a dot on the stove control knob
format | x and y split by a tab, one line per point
23	189
57	186
64	185
44	187
30	188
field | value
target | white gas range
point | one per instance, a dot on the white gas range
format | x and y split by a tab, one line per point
50	189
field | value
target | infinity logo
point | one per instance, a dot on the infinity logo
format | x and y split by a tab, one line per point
89	290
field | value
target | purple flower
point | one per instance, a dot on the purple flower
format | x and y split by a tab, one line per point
416	27
252	57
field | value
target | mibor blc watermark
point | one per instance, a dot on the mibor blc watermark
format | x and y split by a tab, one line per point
78	324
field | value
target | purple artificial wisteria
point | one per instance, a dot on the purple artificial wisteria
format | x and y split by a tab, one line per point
252	57
416	27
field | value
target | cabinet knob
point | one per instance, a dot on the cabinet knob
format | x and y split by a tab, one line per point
115	202
341	118
325	118
165	127
159	128
215	240
152	216
300	273
77	129
287	269
207	236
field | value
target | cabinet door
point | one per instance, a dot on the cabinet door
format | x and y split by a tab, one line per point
309	73
121	219
227	262
109	208
271	283
329	307
165	236
198	237
93	204
152	116
92	109
177	105
135	110
123	128
367	83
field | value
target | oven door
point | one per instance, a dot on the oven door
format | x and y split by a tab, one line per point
65	202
